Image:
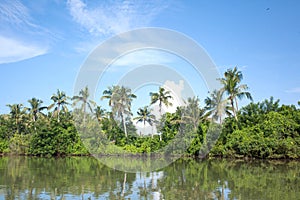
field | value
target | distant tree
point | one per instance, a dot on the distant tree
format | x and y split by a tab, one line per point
162	97
120	99
36	108
60	102
216	105
233	88
192	113
144	115
17	113
83	98
100	113
269	105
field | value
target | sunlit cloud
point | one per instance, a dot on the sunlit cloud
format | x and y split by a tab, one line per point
114	17
14	12
143	57
12	50
21	37
293	90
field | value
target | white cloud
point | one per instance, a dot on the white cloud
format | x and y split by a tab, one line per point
176	91
114	17
143	57
17	15
293	90
13	50
20	37
14	12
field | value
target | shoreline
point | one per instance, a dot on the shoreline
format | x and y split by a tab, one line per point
156	155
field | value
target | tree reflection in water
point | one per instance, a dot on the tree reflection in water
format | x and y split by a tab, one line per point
87	178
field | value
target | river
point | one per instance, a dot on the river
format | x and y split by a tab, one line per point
87	178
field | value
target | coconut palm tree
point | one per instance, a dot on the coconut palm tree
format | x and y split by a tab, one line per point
144	115
192	113
162	97
17	113
36	108
100	113
216	105
233	88
120	99
60	102
110	94
83	98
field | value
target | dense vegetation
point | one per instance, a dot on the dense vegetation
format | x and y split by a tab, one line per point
264	129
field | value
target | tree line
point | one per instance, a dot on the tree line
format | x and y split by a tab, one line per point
263	130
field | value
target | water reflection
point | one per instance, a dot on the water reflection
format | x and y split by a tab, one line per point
87	178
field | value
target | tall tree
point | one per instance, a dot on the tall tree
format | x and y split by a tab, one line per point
192	113
231	85
100	113
120	99
216	105
17	113
162	97
83	98
60	102
144	115
36	108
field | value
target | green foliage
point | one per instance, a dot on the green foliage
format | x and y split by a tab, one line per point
19	144
56	139
263	130
4	146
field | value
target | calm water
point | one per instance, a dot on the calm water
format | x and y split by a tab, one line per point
86	178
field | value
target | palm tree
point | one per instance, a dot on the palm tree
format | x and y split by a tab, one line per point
162	97
100	113
111	93
144	115
120	99
17	112
36	108
216	105
59	102
192	113
233	88
83	97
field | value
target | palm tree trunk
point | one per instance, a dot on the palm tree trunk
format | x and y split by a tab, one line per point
18	126
84	109
58	111
124	124
160	108
144	128
233	108
236	105
151	131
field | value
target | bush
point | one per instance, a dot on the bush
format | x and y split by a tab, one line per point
4	146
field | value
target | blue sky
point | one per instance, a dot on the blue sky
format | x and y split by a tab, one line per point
44	43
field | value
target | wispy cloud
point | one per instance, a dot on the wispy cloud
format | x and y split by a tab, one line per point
14	12
20	37
114	17
144	57
12	50
293	90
